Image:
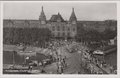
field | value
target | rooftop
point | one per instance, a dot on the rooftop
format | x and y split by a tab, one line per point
57	17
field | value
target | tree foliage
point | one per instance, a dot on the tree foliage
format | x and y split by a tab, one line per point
109	34
94	35
26	35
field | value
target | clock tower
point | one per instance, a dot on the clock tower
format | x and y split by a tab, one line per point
42	17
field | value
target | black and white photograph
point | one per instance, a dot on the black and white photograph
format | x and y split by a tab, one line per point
57	37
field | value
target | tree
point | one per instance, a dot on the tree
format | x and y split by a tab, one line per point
109	34
26	35
88	35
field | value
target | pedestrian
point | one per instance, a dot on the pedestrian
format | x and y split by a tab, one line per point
43	71
64	63
60	69
30	67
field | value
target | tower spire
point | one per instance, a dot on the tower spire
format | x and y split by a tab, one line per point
58	13
72	9
42	17
42	8
73	17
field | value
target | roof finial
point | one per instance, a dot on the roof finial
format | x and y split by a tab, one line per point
58	13
42	8
73	9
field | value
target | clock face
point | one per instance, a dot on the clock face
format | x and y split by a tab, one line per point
74	22
42	22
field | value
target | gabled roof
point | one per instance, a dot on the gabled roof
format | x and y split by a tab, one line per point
54	18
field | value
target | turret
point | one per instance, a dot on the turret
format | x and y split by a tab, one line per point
57	18
42	17
73	18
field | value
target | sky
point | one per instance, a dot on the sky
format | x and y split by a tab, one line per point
83	11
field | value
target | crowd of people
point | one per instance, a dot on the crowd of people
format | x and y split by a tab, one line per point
96	65
90	63
70	46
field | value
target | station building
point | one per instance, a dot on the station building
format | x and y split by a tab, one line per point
56	24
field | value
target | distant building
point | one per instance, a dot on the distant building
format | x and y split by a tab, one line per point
58	26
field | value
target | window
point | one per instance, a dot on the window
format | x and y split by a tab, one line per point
53	28
58	28
53	35
68	29
58	34
73	29
63	28
63	34
68	34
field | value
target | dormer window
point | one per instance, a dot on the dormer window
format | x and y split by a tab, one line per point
58	20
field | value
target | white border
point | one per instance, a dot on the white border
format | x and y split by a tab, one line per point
55	75
1	35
